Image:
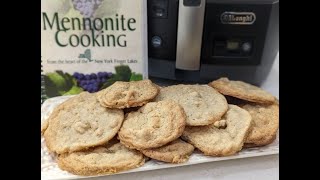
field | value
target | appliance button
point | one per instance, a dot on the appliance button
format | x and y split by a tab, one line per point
156	41
246	47
159	9
158	12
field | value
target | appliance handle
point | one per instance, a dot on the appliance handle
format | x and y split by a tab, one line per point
189	36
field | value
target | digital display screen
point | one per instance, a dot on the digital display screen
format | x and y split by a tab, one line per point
233	45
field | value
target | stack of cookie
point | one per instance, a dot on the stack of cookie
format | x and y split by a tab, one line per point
262	106
82	130
117	128
213	126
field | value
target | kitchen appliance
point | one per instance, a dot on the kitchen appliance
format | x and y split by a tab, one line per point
201	40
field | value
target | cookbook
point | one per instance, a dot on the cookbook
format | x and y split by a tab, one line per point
87	45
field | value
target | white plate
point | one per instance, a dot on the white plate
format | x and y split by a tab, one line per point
50	169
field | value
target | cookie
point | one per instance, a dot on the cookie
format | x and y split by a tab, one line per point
44	126
101	160
176	151
215	141
81	123
128	94
243	91
265	123
203	105
251	145
153	125
45	123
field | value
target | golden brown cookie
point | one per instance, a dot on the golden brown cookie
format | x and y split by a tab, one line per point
101	160
44	126
45	123
224	141
203	105
265	123
176	151
80	123
153	125
122	95
250	145
242	90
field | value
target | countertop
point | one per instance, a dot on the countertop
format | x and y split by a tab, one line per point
265	167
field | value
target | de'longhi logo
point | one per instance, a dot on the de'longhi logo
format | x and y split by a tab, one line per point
240	18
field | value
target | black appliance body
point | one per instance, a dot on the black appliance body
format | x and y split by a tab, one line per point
202	40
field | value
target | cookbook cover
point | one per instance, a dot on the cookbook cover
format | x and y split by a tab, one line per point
87	45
